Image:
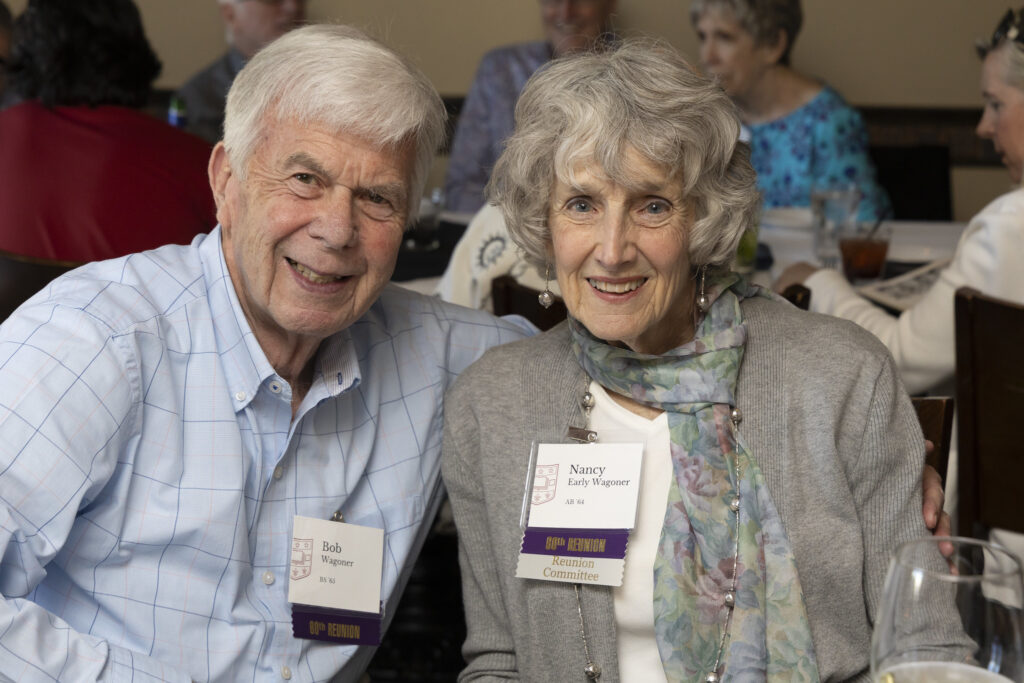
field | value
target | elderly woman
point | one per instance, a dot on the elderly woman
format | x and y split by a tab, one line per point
781	456
988	256
801	131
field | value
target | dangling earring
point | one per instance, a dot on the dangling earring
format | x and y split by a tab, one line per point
546	298
702	297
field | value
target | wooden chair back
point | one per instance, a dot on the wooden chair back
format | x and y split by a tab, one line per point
990	400
798	295
21	277
509	297
935	413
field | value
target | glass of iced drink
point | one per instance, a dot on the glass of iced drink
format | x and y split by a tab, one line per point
864	248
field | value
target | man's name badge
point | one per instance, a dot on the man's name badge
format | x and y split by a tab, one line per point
334	582
581	507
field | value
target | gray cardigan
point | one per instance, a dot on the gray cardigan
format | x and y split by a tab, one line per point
824	414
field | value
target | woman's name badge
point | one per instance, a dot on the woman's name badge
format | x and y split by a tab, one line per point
334	584
582	506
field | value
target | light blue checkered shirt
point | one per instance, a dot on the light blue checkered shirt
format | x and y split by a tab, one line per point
150	468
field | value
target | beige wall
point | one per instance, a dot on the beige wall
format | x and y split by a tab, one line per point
876	52
889	52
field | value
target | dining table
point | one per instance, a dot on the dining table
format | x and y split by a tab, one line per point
788	236
425	253
785	237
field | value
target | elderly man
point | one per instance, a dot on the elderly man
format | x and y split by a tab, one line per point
169	416
486	117
248	26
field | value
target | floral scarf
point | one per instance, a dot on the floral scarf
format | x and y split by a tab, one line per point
769	637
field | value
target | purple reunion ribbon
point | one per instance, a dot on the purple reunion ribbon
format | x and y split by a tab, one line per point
608	543
336	625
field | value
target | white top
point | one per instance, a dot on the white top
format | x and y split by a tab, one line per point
485	251
921	339
639	659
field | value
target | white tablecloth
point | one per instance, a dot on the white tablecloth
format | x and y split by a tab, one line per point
912	242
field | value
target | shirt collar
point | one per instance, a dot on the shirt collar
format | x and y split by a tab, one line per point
337	368
236	60
245	365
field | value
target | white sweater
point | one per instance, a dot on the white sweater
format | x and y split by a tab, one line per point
921	339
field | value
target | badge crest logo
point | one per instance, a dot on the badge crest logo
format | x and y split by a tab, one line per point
302	558
545	479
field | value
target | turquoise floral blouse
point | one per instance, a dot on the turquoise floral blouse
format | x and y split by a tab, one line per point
825	141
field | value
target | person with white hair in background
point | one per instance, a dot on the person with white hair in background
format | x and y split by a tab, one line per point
987	257
922	338
248	26
169	415
801	131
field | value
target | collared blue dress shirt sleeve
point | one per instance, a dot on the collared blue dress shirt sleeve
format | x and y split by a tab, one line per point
150	469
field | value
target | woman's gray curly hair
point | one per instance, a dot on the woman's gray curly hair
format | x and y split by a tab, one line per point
592	109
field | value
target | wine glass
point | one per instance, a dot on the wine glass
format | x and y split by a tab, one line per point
950	619
833	207
424	234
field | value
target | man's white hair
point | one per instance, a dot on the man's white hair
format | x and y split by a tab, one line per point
337	77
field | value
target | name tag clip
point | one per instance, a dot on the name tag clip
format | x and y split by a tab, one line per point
582	435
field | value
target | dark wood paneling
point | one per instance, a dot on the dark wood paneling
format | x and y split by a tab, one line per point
887	126
909	126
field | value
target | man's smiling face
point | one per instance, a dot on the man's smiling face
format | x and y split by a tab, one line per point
311	234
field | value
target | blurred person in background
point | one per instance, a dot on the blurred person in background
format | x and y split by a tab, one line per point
922	338
87	174
801	131
486	117
248	26
485	252
987	257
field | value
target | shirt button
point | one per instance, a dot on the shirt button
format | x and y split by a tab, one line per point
268	577
275	386
278	472
286	673
240	396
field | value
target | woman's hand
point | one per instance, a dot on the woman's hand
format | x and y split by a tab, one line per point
794	275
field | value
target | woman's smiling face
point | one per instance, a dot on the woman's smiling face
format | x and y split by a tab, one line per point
621	254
